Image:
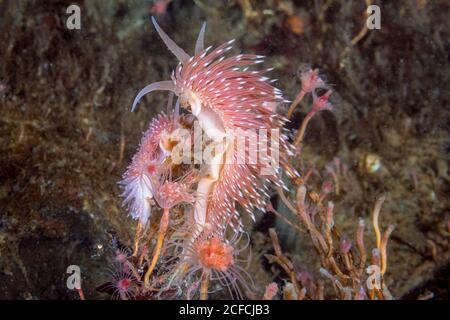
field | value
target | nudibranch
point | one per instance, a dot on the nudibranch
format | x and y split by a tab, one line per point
226	98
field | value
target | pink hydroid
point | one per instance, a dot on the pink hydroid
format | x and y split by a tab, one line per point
171	193
137	180
321	102
123	284
311	81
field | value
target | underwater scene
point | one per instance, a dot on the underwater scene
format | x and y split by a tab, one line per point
224	149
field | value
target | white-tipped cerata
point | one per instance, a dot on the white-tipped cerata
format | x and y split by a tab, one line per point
200	44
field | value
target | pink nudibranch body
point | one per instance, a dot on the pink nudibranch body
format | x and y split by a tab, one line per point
225	97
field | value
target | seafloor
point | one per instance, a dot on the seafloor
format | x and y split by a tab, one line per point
67	133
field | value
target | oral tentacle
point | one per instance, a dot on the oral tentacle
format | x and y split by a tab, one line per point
155	86
181	55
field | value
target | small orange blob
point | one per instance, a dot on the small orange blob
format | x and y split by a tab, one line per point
215	254
295	24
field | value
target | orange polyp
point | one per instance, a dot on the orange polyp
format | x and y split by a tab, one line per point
295	24
215	254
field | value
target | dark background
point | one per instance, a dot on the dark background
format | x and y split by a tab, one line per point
67	134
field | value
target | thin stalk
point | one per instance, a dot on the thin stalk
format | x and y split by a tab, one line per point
301	131
161	234
204	286
383	246
375	217
294	104
137	237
